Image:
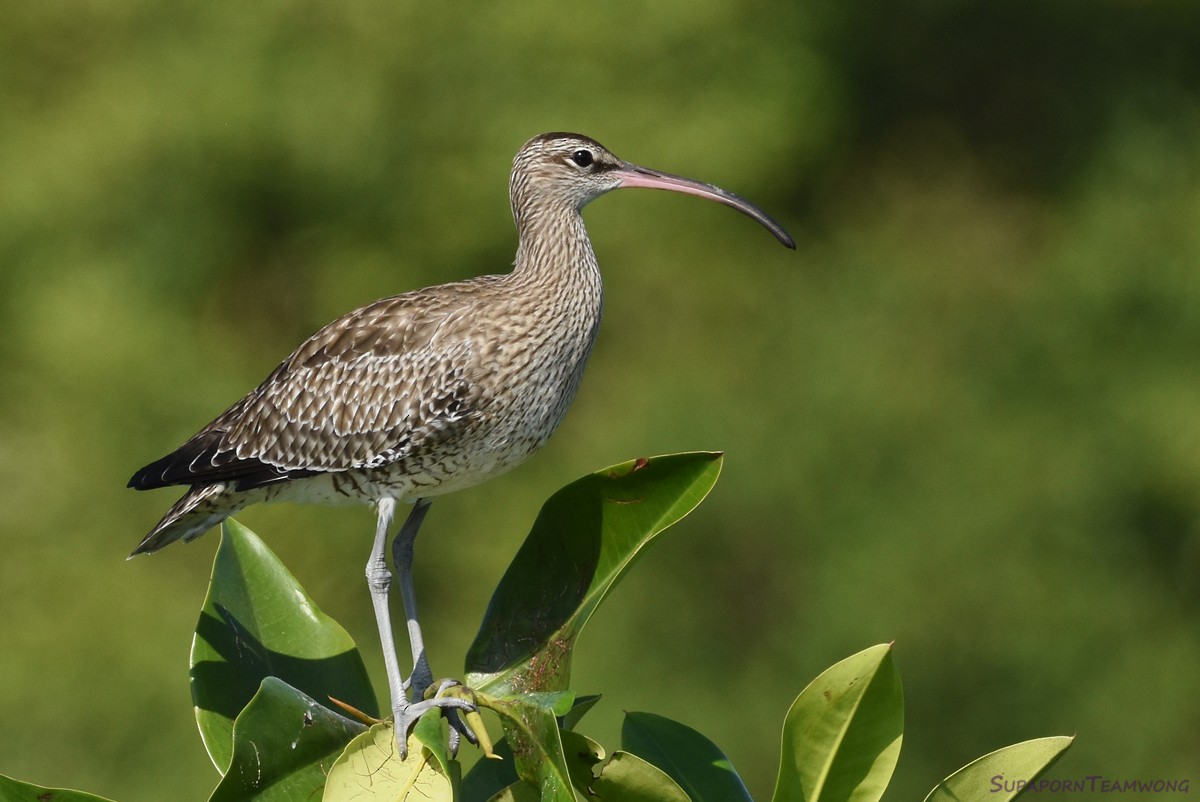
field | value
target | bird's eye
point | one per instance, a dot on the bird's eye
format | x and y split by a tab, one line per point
583	158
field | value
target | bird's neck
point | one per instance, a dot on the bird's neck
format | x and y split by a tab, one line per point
553	249
557	283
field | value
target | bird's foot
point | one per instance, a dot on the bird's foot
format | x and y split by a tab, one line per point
451	697
461	718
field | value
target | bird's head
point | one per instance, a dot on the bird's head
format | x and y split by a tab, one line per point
563	169
558	170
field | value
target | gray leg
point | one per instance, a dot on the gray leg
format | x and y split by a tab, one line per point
402	555
379	580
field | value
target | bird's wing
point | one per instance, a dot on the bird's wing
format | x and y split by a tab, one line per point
374	386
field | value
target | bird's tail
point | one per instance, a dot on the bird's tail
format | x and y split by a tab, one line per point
200	509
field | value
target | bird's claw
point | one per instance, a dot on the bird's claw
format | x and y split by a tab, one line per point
407	715
458	727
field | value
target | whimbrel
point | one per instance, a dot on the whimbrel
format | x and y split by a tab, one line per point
423	393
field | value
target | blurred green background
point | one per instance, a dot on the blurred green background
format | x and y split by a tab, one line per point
963	417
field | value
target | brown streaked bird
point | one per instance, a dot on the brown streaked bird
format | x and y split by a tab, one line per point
424	393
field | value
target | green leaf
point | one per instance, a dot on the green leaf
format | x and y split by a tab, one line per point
258	622
489	777
582	705
531	730
429	734
559	703
284	744
691	760
584	539
371	769
628	778
519	791
624	777
1002	775
842	735
14	791
582	754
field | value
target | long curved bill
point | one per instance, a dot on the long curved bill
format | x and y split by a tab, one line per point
632	176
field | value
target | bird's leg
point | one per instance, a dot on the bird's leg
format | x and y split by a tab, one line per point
379	579
402	555
422	677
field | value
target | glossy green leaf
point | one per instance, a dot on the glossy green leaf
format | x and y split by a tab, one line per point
624	777
584	539
531	730
15	791
583	755
578	710
489	777
628	778
842	735
692	760
429	734
371	769
284	744
519	791
1003	775
258	622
